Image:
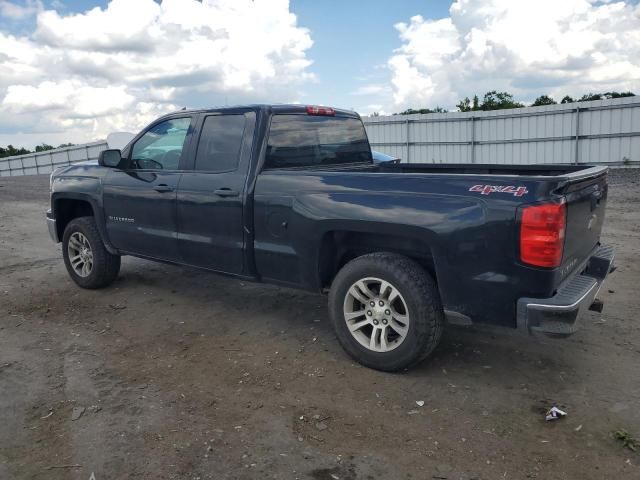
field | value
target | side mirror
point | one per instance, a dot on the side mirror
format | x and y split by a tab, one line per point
109	158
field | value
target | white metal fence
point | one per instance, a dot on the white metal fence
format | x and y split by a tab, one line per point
598	132
45	162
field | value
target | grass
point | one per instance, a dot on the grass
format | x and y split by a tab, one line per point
628	440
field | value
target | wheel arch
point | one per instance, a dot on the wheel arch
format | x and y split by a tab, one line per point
68	206
339	246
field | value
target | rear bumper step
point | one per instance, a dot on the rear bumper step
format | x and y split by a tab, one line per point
558	315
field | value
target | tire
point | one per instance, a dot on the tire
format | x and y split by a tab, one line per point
104	266
417	295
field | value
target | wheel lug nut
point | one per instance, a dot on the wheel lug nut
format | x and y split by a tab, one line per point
372	303
387	312
375	322
369	312
384	321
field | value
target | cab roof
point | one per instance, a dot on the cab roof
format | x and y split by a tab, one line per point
267	108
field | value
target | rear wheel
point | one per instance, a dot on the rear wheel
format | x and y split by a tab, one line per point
88	262
386	311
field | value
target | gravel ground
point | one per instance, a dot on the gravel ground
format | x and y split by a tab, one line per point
177	374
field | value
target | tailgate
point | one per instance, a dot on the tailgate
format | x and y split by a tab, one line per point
586	201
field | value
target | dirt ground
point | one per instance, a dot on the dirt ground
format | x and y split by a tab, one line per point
188	375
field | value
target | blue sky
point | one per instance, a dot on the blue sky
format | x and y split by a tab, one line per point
351	47
76	70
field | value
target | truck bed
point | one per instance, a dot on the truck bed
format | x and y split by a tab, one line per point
557	172
488	169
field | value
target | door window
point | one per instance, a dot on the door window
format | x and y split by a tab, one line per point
220	142
160	148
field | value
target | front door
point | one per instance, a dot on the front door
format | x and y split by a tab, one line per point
211	195
140	199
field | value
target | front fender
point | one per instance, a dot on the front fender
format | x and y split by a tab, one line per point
83	188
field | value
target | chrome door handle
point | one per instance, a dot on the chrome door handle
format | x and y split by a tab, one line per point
163	188
226	192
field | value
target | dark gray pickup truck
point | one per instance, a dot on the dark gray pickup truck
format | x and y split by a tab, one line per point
290	195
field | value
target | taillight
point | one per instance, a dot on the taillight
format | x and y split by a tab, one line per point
542	230
315	110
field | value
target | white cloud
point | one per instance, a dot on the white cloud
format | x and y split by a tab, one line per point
528	48
14	11
372	89
115	68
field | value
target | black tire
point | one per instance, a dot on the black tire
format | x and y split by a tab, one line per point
106	266
423	303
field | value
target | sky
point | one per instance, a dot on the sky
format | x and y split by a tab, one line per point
77	70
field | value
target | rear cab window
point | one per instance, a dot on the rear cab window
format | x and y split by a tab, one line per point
302	140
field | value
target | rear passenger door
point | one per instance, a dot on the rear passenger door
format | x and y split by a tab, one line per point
211	194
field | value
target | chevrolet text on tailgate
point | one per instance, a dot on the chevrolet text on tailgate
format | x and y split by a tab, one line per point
290	195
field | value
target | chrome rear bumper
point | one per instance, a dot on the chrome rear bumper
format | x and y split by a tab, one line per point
558	315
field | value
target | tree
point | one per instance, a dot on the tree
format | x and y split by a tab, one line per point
411	111
10	151
588	97
475	105
619	95
464	105
494	100
543	100
467	105
43	147
607	95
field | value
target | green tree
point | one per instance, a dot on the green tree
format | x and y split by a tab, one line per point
464	105
590	96
11	151
411	111
606	95
43	147
619	94
597	96
475	106
543	100
467	105
494	100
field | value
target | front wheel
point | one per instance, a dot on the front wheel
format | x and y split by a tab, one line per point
386	311
88	262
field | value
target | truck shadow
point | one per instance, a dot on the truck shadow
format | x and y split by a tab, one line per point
494	353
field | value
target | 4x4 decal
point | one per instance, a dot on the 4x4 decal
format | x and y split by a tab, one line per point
489	189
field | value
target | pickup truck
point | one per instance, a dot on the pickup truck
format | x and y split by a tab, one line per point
290	195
